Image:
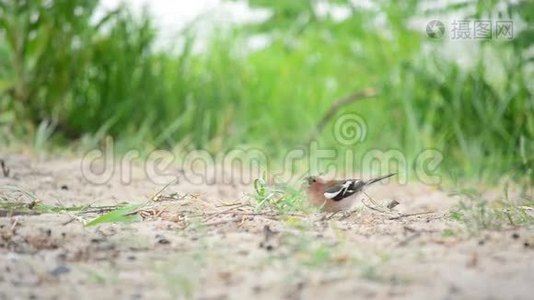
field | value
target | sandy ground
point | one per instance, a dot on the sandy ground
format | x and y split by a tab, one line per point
211	244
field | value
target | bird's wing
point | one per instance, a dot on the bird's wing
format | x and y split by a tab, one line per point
344	189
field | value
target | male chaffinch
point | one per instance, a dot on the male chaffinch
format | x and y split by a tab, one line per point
337	195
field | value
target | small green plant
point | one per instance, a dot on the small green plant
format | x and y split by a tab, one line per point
181	278
281	197
447	233
102	274
479	214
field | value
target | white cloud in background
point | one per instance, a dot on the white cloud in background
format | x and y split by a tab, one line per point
172	16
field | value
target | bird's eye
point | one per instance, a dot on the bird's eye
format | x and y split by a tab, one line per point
311	180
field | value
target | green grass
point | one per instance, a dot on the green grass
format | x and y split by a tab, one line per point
282	198
16	201
477	213
66	81
121	215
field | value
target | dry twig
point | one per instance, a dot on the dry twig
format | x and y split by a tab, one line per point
400	216
337	105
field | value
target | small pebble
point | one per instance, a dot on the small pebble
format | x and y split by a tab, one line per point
60	270
164	241
137	296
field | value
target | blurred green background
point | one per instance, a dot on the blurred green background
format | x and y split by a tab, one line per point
71	75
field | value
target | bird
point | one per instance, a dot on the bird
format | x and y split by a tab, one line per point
337	195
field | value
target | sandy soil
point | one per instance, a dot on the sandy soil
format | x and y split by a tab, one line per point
211	244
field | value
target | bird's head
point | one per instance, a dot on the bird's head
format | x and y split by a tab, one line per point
310	180
313	182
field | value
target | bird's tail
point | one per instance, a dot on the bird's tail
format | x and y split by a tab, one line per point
371	181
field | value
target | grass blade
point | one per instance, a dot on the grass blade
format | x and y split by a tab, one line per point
120	215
